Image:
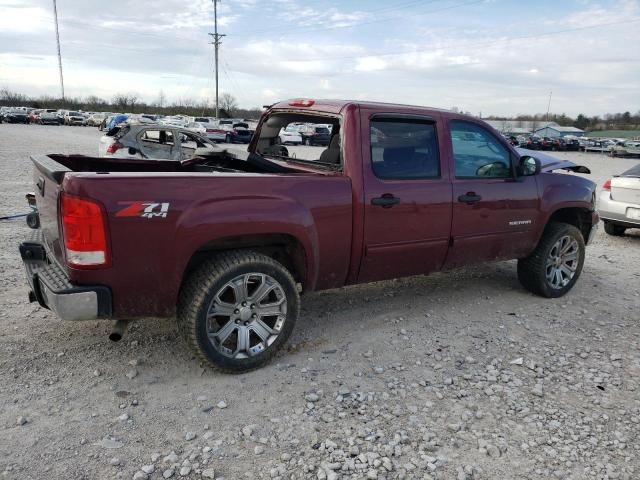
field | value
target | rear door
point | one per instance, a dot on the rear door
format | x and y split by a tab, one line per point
159	143
407	194
494	214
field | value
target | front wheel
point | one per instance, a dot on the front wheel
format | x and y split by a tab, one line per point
555	265
237	310
613	229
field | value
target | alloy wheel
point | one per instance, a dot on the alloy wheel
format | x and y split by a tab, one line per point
562	262
246	315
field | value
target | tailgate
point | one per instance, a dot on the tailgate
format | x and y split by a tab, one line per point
626	189
47	177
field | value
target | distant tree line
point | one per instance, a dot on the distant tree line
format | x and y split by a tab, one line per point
608	121
132	103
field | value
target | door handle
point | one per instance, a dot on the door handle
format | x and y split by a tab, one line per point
469	198
385	201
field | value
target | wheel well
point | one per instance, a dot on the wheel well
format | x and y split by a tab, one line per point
283	248
578	217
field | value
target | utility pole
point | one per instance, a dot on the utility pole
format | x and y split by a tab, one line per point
55	15
216	44
549	106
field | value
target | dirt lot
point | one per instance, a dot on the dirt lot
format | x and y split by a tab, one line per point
460	375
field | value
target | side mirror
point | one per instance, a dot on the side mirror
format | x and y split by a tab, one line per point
528	166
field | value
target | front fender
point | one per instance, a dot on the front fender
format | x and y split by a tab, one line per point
560	191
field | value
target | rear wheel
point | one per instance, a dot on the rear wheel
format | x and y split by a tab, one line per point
237	310
613	229
555	265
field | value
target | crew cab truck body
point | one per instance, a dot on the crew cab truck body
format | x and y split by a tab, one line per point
227	242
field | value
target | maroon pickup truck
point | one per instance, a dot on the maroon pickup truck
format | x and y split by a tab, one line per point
227	240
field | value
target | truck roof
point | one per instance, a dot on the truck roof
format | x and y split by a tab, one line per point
336	106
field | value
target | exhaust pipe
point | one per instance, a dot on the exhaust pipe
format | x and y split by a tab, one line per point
119	329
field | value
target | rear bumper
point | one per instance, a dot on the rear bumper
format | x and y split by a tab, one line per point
617	212
51	287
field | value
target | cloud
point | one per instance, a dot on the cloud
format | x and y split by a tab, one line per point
480	57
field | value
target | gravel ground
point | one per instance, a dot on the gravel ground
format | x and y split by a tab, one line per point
460	375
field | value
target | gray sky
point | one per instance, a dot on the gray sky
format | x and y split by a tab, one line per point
489	56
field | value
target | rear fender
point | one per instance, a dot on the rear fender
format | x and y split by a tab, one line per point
209	221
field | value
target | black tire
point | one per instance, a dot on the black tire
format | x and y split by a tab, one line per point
613	229
532	270
227	138
199	290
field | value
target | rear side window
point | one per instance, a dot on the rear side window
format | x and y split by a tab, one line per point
477	152
404	149
162	137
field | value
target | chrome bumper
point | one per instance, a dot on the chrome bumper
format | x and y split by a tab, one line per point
615	211
51	288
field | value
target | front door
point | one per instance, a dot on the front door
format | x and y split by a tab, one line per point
407	192
494	213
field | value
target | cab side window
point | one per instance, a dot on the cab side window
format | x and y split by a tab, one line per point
477	152
404	149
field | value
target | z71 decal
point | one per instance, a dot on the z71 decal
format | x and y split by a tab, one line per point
144	209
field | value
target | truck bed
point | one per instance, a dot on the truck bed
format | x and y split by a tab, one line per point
209	202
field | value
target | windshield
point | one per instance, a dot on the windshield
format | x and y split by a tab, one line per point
71	114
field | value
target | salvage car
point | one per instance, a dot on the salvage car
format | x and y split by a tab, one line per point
96	119
15	116
315	135
151	141
228	241
290	136
49	117
74	118
628	148
619	202
240	133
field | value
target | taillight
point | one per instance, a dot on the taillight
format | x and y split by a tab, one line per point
607	185
84	232
209	130
114	147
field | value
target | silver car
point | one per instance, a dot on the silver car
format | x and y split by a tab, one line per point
619	205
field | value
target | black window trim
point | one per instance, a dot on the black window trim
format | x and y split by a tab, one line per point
475	177
415	118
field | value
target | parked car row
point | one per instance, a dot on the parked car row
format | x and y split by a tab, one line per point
217	130
305	134
44	116
628	148
226	130
535	142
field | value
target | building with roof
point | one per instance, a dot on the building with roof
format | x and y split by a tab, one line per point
556	131
518	127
